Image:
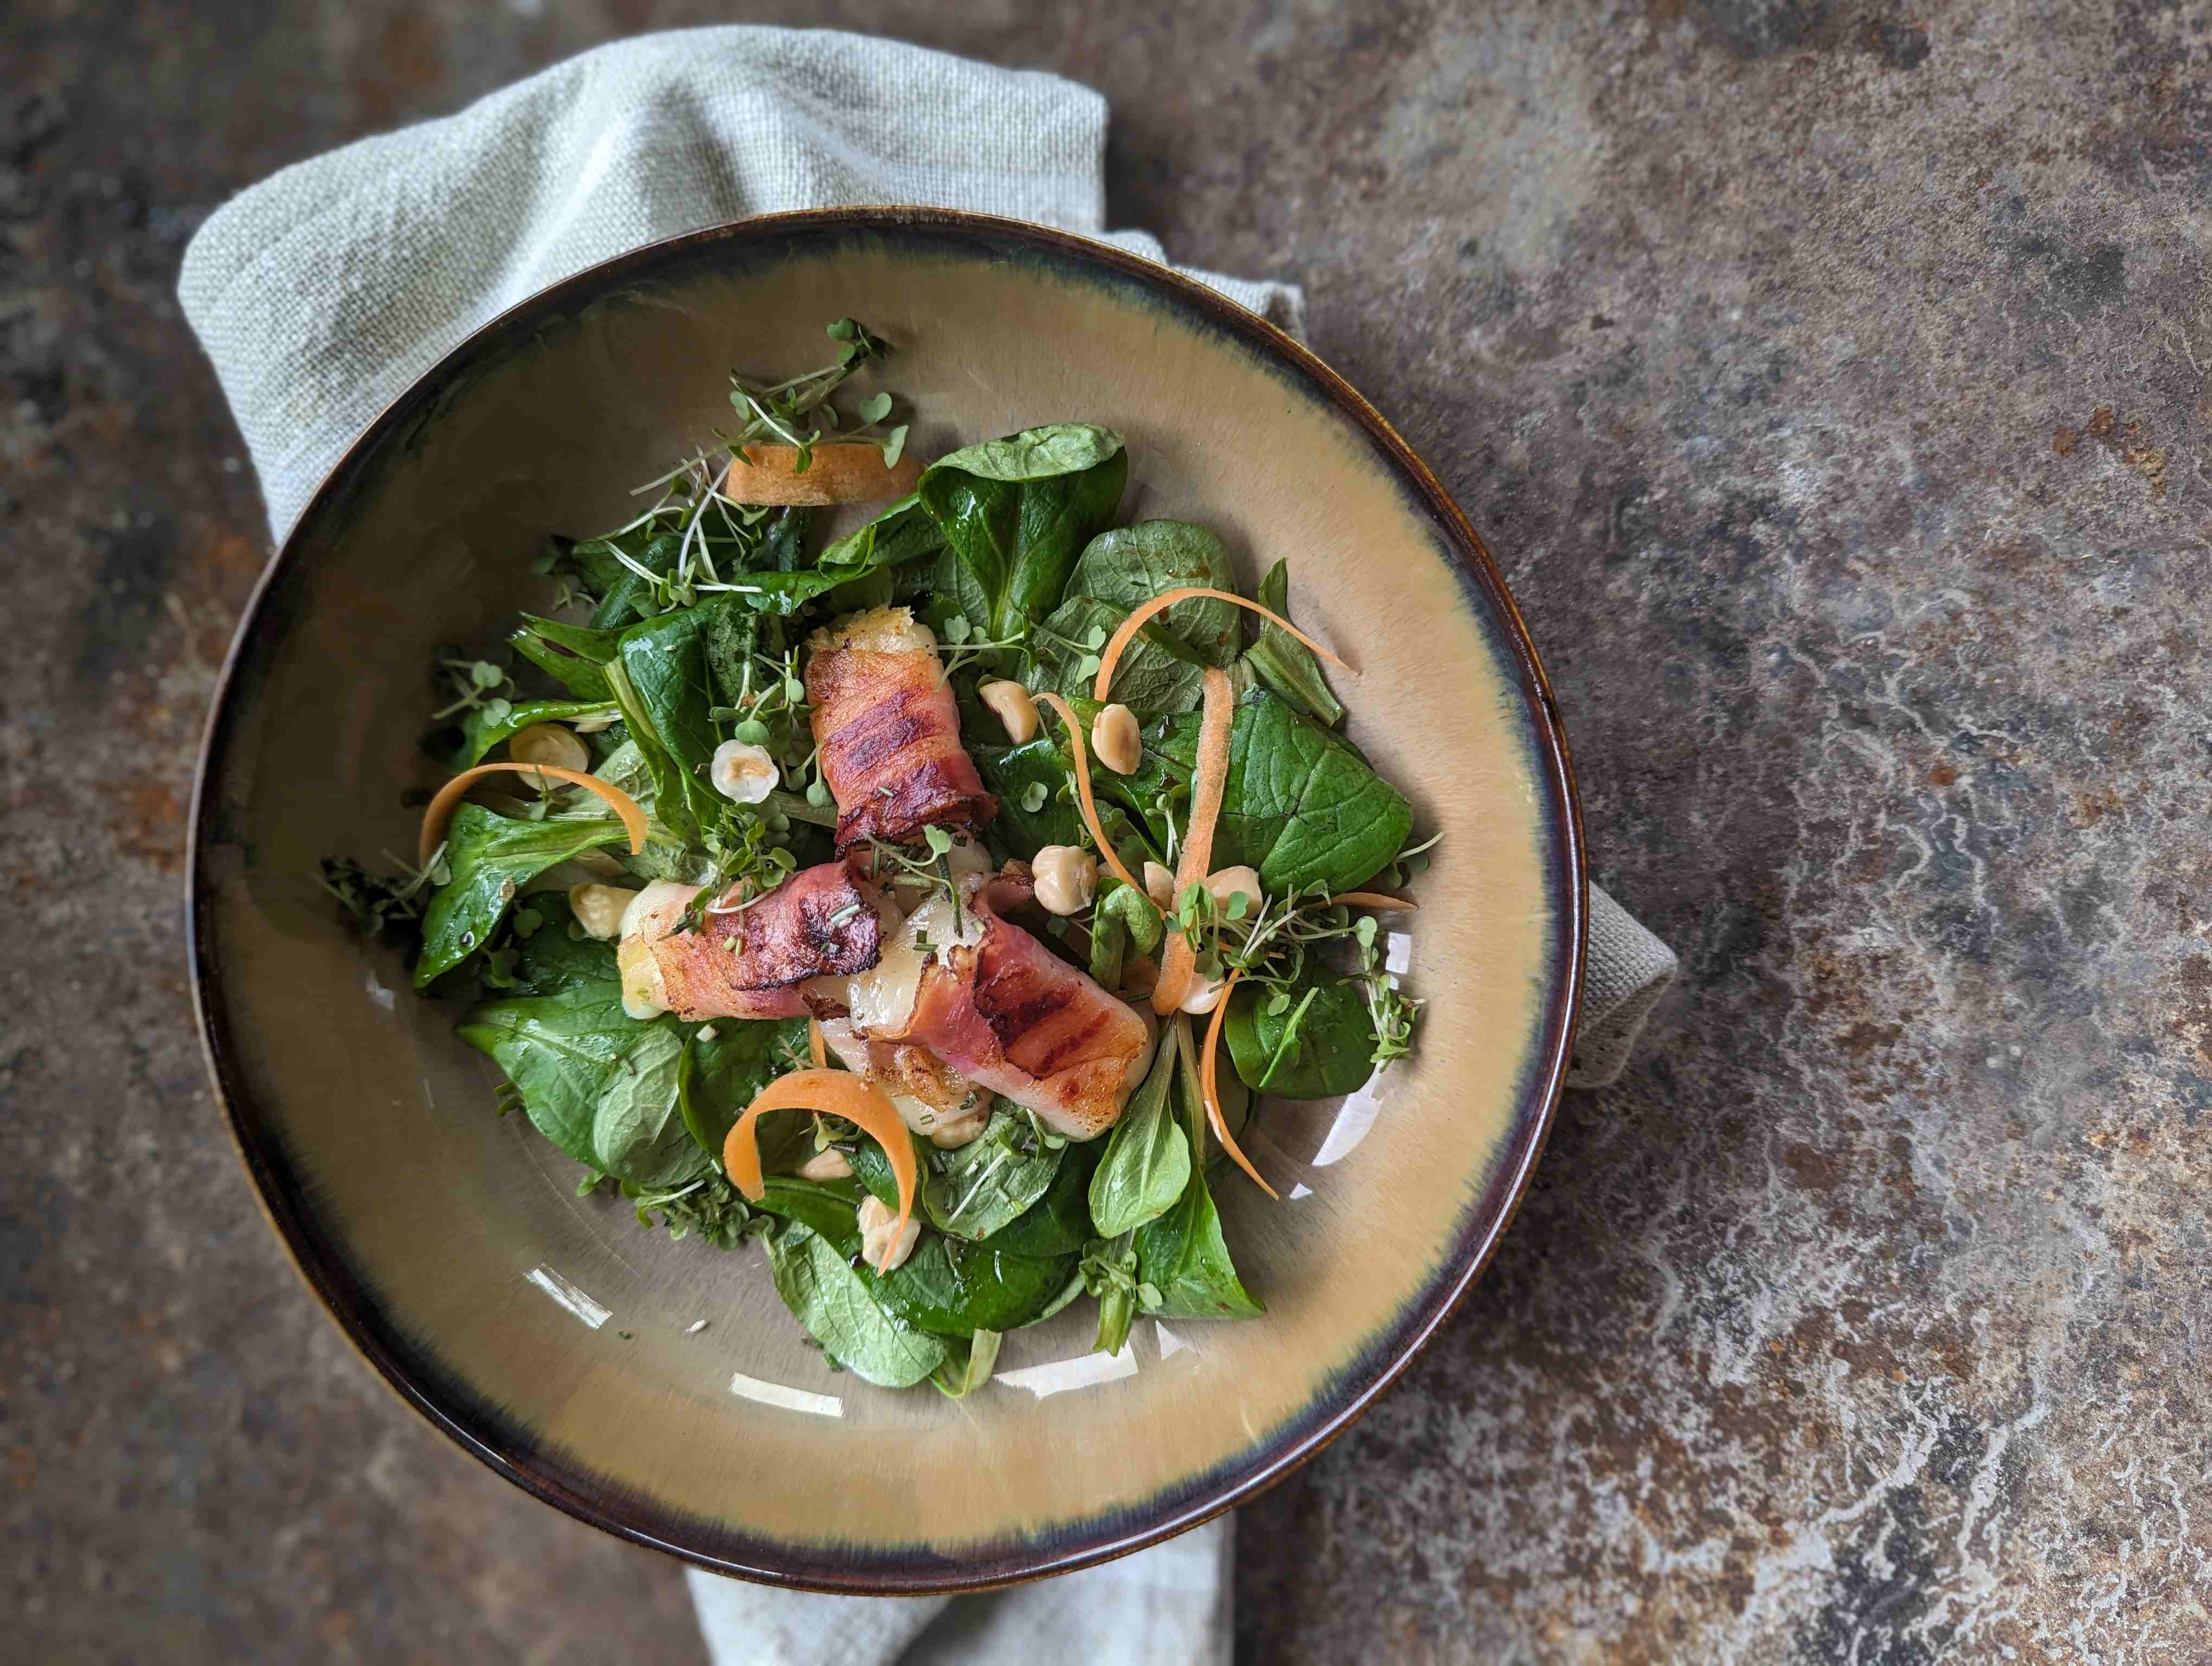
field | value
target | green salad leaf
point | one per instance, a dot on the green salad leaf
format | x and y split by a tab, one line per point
486	727
1163	668
1147	1160
491	857
660	679
594	1081
968	1365
1310	1041
988	1183
1299	803
550	959
950	1287
1183	1269
902	534
1059	1223
574	655
637	1130
1019	512
831	1300
728	1064
624	594
1033	785
1283	662
828	1208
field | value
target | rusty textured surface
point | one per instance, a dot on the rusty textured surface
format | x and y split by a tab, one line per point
1829	377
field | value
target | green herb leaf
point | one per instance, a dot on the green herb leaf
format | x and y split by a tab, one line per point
1147	1161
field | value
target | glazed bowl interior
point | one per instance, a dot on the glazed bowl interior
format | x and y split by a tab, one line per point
547	1332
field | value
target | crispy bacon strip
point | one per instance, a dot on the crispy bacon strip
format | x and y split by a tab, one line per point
755	963
889	732
1005	1011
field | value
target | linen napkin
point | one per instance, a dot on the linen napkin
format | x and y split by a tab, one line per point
321	293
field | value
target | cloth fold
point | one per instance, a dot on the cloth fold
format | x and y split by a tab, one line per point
321	293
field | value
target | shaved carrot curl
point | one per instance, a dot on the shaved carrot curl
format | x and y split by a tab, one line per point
1083	798
839	1093
1209	1081
1378	900
814	1045
1110	656
1178	961
441	808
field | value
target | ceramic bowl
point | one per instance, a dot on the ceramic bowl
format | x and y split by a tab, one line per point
547	1334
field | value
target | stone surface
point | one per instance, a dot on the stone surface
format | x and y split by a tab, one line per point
1829	377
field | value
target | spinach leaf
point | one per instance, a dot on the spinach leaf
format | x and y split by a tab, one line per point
729	635
660	679
1059	1223
951	590
491	857
559	1051
594	1081
902	534
1299	803
1147	1161
832	1302
829	1208
724	1072
1127	566
1034	784
576	655
871	1166
638	1135
950	1287
1183	1269
1163	670
1329	1049
990	1181
783	550
1019	512
1283	662
549	960
479	734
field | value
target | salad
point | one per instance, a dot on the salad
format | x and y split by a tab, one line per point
928	903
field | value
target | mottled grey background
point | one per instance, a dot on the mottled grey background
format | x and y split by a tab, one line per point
1829	377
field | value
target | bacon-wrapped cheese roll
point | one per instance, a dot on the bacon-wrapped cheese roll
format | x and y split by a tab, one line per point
889	732
757	963
1000	1010
946	1109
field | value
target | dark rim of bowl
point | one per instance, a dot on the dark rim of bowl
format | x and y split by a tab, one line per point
549	1474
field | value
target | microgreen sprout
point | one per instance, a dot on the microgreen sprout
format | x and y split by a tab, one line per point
799	413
